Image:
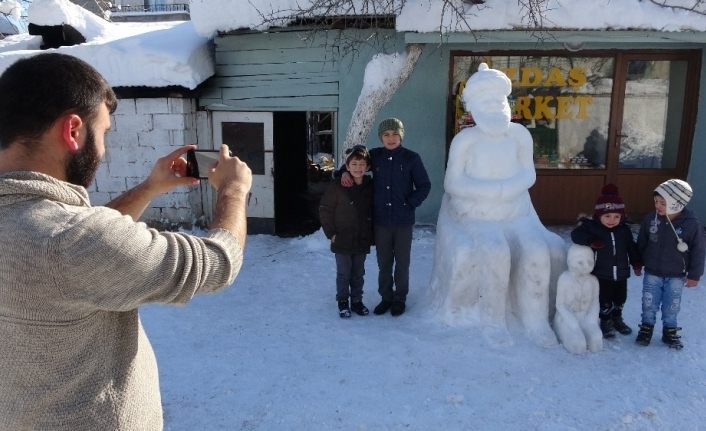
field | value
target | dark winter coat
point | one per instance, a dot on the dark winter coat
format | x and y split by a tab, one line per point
401	185
658	245
615	249
347	213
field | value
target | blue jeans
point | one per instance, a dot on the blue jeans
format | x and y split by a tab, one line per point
664	292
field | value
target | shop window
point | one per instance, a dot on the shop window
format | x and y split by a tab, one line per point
652	114
563	101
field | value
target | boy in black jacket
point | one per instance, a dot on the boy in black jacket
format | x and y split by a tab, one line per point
671	242
615	251
346	217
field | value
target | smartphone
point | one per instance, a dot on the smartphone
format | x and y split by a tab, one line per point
198	162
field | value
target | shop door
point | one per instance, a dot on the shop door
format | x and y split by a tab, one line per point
651	126
249	136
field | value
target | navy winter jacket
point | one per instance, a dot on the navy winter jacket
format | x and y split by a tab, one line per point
658	245
401	185
615	248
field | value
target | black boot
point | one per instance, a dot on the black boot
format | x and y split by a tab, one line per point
382	307
618	322
397	308
671	338
607	327
359	309
644	336
343	311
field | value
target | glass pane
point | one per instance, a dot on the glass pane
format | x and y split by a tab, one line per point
247	141
563	101
654	102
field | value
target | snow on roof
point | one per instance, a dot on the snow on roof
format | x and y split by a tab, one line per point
159	54
211	16
165	54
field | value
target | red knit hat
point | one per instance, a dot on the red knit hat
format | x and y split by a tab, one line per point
609	202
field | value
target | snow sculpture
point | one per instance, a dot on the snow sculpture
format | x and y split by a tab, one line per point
493	255
576	318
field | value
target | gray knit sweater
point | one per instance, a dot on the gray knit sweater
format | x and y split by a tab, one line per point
73	354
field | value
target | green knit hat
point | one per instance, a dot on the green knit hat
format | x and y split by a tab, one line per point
391	124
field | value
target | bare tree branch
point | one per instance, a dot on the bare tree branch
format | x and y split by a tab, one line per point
697	6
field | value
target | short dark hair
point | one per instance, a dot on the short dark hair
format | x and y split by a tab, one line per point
36	91
357	152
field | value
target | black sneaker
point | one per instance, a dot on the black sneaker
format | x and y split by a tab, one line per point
671	338
619	323
607	328
397	308
382	307
359	309
644	336
343	311
620	326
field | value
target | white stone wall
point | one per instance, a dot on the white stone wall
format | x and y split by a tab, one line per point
144	130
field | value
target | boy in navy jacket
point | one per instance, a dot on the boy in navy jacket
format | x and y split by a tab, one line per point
400	185
671	242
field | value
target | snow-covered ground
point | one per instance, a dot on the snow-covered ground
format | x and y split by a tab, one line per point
271	353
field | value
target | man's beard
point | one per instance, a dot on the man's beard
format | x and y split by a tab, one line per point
82	166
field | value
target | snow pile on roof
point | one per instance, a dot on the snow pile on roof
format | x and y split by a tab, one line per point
11	8
557	14
10	18
57	12
211	16
159	54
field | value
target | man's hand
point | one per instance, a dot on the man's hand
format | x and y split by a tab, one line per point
691	283
232	179
346	179
170	172
230	172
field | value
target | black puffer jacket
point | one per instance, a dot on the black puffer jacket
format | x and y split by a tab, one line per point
347	213
615	249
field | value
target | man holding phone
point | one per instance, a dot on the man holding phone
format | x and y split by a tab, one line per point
74	355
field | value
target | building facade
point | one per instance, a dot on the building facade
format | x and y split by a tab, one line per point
602	107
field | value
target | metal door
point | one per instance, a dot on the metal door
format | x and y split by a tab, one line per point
249	136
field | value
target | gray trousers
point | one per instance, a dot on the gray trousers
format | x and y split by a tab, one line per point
350	269
393	245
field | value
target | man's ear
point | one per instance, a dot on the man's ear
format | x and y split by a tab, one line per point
70	131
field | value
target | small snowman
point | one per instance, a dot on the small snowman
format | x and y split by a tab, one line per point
576	318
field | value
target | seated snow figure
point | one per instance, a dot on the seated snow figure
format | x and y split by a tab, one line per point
493	255
576	321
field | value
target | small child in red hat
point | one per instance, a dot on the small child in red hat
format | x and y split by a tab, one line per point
616	251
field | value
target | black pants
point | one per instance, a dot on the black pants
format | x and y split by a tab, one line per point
350	269
393	245
611	295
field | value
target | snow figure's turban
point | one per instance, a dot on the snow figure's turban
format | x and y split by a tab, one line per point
488	80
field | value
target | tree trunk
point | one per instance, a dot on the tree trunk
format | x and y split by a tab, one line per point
370	102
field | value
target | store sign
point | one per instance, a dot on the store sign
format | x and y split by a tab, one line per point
564	107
